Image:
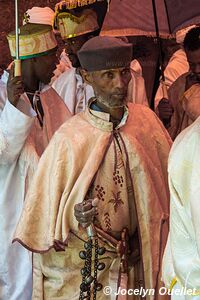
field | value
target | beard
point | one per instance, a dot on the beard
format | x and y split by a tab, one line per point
113	101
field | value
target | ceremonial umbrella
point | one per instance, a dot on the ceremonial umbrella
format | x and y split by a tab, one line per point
17	59
149	17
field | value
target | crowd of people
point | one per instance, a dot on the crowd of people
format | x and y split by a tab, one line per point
97	190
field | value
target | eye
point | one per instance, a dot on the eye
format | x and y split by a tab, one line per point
109	75
126	72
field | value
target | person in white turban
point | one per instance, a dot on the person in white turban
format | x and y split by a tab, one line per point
39	15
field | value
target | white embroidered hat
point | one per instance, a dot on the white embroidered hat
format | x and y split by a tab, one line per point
70	23
34	40
39	15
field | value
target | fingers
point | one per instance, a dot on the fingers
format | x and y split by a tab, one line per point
164	100
11	71
165	109
95	202
12	77
16	80
164	103
86	211
84	206
85	217
15	88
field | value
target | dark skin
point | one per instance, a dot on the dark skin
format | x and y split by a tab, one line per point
193	77
165	110
34	71
111	88
86	211
73	45
15	87
164	107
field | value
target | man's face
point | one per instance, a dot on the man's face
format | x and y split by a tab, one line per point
45	65
193	58
111	86
73	45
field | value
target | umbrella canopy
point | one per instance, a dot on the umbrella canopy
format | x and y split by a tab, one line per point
138	17
182	13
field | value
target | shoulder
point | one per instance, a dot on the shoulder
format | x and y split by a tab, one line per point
64	77
185	151
180	80
75	128
141	113
179	54
187	142
143	123
184	157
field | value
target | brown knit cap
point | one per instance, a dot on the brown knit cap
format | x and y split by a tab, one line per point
103	53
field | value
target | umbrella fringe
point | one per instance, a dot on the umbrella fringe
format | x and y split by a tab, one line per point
71	4
133	32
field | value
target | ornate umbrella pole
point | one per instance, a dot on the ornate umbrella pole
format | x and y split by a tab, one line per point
17	60
158	40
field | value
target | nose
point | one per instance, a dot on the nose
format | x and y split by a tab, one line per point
119	82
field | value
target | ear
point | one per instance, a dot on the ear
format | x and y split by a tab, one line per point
87	76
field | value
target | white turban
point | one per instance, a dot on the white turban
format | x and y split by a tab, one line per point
39	15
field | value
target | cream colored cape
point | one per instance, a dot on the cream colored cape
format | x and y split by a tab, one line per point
181	261
68	166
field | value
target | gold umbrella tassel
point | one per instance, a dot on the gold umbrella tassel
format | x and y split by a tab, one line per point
71	4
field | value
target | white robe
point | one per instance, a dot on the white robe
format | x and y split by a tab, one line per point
181	262
15	261
17	166
64	64
71	88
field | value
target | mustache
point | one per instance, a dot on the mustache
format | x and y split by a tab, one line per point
120	91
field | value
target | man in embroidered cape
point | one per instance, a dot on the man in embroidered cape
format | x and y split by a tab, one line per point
109	152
